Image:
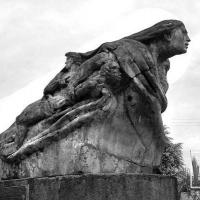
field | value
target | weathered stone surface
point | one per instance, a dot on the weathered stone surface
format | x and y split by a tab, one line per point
101	113
72	155
96	187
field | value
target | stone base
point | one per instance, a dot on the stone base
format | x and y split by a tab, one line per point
73	155
91	186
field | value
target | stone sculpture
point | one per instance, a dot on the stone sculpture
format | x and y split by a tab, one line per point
102	111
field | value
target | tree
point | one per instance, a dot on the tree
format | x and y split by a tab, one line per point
172	159
172	164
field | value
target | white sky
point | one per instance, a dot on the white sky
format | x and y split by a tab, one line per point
35	35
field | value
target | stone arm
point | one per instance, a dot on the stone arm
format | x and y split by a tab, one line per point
149	89
142	73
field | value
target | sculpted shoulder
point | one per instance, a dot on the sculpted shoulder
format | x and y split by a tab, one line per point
127	45
135	49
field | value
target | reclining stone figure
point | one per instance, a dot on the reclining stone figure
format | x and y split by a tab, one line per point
112	97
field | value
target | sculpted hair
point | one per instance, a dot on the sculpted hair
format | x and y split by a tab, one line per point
155	31
145	36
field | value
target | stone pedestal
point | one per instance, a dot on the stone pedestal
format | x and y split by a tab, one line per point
91	186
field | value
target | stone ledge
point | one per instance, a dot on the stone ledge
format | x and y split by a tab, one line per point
91	186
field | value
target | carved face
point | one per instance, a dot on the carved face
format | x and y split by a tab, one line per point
179	40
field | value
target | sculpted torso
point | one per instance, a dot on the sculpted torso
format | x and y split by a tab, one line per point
101	113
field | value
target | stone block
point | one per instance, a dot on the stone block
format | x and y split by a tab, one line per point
91	187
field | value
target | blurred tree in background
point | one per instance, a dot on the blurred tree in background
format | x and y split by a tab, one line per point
172	158
172	164
195	167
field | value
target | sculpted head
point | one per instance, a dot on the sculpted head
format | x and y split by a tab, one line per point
171	35
178	40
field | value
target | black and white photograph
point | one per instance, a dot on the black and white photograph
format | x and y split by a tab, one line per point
99	100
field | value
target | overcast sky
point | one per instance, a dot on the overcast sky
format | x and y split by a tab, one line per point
35	35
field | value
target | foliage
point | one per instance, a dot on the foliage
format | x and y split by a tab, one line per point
172	159
172	164
183	178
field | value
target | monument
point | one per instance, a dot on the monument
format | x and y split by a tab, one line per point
101	113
